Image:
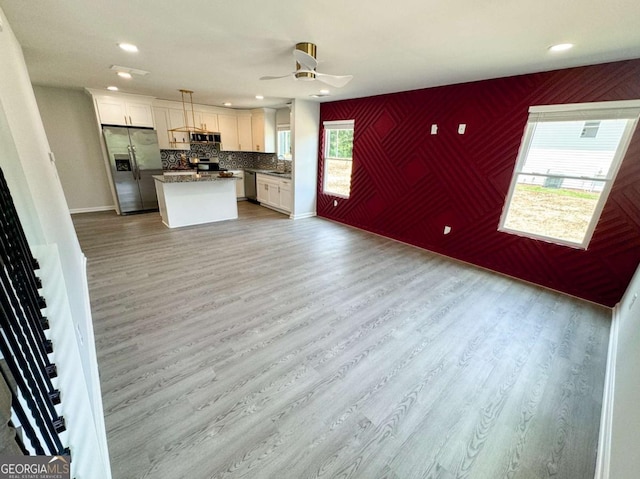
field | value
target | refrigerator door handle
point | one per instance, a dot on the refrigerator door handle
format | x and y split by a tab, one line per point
134	160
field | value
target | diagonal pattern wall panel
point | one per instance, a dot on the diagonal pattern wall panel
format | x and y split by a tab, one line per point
408	184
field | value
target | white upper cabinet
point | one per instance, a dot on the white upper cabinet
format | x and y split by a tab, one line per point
263	130
245	138
161	118
208	121
179	140
240	130
228	128
124	110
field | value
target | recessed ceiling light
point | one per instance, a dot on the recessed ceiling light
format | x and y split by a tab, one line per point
324	92
126	75
227	103
112	88
561	47
128	47
259	97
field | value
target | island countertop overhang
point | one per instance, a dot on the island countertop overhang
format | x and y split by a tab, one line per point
193	178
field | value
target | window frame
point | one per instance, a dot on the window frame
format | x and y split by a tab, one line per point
336	125
624	109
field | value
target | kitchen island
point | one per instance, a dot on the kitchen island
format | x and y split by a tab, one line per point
194	199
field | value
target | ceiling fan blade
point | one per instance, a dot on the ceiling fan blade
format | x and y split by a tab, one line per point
275	78
305	60
337	81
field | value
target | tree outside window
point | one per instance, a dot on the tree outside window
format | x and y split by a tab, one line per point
338	158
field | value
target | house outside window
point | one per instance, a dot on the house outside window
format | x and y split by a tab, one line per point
338	157
568	161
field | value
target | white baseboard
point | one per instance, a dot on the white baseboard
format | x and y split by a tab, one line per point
303	215
603	463
93	209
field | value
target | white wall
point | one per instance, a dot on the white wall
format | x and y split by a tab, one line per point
620	427
283	116
43	211
70	124
305	129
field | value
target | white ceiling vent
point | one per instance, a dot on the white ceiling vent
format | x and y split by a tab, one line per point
133	71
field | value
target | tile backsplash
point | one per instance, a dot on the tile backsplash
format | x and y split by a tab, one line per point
228	159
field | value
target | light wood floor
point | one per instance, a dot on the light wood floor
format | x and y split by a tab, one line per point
270	348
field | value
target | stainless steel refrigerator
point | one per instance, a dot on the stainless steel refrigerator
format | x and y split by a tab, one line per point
134	156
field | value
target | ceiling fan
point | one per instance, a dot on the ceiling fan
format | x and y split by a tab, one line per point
306	63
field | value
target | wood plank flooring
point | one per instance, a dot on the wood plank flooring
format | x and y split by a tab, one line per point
270	348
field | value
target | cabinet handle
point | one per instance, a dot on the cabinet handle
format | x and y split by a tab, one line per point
130	122
125	120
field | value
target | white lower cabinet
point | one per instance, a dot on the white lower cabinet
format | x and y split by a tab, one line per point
262	186
285	195
274	192
239	183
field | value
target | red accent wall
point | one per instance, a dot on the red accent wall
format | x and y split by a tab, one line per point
408	184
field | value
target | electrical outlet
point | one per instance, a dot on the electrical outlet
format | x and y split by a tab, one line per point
462	127
434	129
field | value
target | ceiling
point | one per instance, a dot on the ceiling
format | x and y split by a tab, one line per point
220	49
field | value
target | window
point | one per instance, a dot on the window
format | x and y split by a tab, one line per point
284	142
567	163
338	156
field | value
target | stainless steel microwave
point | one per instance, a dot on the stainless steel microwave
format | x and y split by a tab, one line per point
206	138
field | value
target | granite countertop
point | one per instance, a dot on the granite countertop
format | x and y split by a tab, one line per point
190	178
286	176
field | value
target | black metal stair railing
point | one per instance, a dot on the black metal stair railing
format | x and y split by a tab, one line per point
23	343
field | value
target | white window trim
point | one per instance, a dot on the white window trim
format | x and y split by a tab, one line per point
626	109
334	125
338	124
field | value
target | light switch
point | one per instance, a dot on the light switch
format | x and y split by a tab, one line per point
434	129
461	128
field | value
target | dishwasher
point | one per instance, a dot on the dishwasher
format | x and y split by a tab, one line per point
250	190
